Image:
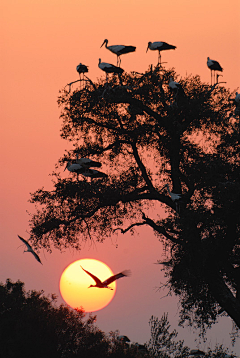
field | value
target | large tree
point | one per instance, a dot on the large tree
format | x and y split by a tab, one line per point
147	135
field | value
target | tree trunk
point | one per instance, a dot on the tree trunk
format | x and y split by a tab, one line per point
223	295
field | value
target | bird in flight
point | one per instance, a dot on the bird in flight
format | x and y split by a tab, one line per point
109	280
30	249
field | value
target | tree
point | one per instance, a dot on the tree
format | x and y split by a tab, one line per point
148	135
31	325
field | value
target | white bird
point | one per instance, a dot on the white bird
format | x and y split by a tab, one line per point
160	46
237	98
123	339
118	50
30	249
109	68
174	196
213	66
107	282
86	162
173	85
74	167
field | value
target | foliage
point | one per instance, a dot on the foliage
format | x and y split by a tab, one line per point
147	136
162	342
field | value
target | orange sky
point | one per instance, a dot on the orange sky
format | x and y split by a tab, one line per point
41	43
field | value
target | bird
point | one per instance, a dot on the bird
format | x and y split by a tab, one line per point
74	167
109	68
213	66
118	50
237	98
159	46
81	69
104	284
173	85
30	249
174	196
87	163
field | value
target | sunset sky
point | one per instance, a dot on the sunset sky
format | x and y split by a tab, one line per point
42	42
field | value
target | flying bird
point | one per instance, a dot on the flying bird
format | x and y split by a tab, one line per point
118	50
213	66
30	249
159	46
107	282
87	163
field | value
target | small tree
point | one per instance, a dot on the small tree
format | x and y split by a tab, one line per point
146	136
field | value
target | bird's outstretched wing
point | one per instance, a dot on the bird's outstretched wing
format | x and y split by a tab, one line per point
30	249
117	276
96	279
25	242
36	256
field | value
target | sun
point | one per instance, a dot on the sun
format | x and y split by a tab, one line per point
74	283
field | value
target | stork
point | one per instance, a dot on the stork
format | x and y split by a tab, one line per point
213	66
104	284
159	46
174	196
74	167
87	163
30	249
109	68
118	50
173	85
237	98
81	69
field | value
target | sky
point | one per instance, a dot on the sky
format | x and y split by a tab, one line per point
42	42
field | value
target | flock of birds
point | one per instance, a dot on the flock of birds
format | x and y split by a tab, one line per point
84	166
153	46
98	282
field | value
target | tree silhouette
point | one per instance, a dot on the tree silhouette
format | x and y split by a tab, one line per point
147	135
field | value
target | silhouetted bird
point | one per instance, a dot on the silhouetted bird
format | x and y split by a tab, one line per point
118	50
30	249
107	282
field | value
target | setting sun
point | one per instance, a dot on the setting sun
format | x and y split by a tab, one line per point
74	285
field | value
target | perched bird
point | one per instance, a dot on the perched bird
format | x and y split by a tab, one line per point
118	50
81	68
237	98
107	282
213	66
160	46
197	353
173	85
87	163
30	249
174	196
109	68
74	167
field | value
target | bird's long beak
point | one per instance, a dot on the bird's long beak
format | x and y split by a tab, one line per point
102	44
65	167
147	50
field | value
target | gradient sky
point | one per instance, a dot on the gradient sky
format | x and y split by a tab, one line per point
42	42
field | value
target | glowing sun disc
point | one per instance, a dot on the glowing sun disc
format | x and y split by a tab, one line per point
74	283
